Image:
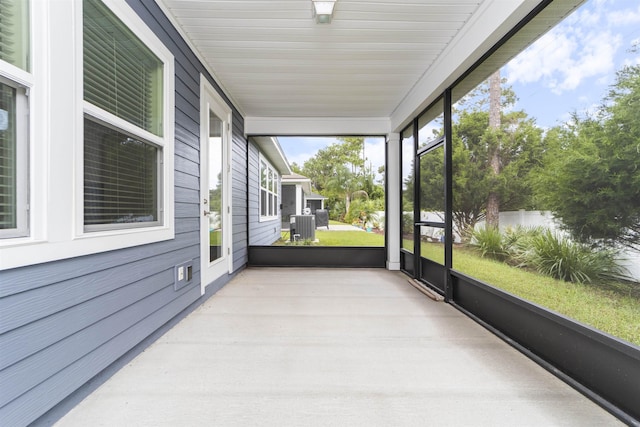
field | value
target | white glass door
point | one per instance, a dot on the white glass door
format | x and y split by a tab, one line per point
215	176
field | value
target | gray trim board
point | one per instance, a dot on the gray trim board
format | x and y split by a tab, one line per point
317	256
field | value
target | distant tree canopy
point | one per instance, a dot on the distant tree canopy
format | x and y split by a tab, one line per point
586	171
518	144
339	172
296	168
591	174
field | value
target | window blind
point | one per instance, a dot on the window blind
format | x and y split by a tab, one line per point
121	75
8	158
120	177
14	33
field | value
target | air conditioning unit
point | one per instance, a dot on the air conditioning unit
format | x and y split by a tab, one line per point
303	227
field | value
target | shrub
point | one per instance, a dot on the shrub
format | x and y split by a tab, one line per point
561	258
517	243
489	243
336	211
407	222
362	212
353	213
378	204
305	242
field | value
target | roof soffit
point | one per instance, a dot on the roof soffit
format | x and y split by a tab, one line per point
378	60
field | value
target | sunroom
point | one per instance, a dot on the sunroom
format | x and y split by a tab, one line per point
141	174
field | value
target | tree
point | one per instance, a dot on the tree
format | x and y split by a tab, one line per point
338	171
494	148
345	184
591	178
516	144
325	163
351	152
295	168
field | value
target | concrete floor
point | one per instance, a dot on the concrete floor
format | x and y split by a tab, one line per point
331	347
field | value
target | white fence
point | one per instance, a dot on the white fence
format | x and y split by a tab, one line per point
527	219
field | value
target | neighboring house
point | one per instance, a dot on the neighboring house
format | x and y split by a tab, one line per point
267	166
297	195
314	201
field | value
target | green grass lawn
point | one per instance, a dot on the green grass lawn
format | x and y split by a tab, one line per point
340	238
614	311
343	238
349	238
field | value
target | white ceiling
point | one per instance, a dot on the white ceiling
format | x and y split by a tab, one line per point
378	60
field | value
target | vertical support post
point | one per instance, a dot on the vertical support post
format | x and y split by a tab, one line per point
448	195
417	263
299	204
394	206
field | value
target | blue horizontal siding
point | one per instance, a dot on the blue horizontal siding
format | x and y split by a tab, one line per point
63	322
239	199
260	233
47	394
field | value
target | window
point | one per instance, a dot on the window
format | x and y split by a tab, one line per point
120	178
14	33
269	190
86	131
14	111
122	125
13	161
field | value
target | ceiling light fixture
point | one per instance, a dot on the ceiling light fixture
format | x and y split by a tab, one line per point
323	10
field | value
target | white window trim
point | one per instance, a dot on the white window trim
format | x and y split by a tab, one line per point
56	181
264	218
23	79
22	154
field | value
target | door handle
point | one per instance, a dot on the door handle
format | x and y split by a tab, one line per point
206	213
429	224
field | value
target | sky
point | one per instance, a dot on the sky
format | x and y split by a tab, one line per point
569	69
299	149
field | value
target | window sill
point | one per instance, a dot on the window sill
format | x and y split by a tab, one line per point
22	252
